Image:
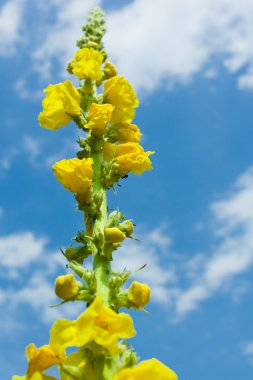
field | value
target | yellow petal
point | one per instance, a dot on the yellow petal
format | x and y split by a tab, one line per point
132	158
138	294
98	324
87	64
99	116
119	93
39	359
34	376
151	369
62	335
74	174
60	105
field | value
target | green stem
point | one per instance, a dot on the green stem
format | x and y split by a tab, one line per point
101	264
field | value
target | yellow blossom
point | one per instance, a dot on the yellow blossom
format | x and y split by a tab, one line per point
151	369
128	133
60	105
114	235
87	64
97	324
119	92
74	174
39	359
132	158
66	287
99	116
109	151
138	294
34	376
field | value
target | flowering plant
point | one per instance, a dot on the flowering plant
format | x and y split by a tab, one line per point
109	151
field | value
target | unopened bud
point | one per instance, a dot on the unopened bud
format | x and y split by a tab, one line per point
127	227
66	287
138	294
70	67
77	253
110	70
114	235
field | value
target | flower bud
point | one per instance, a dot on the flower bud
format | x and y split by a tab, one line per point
138	294
110	70
127	227
66	287
77	253
114	235
70	67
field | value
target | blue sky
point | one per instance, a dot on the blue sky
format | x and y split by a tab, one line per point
191	63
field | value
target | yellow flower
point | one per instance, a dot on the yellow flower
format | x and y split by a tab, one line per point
109	151
128	133
119	92
34	376
99	116
114	235
66	287
138	294
151	369
87	64
39	359
74	174
132	158
97	324
60	105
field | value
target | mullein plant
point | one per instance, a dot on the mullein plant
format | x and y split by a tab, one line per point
103	106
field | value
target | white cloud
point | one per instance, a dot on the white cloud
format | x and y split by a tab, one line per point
162	43
22	89
32	147
166	42
179	284
59	41
151	251
7	159
40	154
247	350
11	15
29	269
233	253
20	249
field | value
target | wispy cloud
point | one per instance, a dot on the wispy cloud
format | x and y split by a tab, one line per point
11	17
152	250
182	285
28	269
167	42
19	250
59	41
233	250
162	42
247	350
37	152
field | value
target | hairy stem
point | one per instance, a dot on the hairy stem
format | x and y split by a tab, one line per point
101	264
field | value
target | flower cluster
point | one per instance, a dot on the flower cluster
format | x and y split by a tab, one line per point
103	108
